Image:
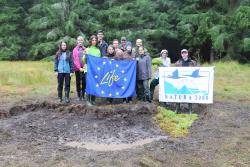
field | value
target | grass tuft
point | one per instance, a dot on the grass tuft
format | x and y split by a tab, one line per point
175	124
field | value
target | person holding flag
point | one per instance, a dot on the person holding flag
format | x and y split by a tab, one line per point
92	50
110	55
127	55
110	78
185	61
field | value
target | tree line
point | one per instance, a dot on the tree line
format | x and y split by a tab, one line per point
210	29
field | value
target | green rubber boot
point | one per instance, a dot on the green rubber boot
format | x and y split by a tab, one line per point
178	108
190	108
67	97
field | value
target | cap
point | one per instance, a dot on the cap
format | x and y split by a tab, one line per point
123	39
184	50
164	51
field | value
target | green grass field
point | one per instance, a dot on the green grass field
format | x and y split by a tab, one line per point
232	81
27	78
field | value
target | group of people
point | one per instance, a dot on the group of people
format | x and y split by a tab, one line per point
67	63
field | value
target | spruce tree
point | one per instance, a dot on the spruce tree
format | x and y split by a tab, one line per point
10	39
53	21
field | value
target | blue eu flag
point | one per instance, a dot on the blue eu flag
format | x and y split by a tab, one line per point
111	78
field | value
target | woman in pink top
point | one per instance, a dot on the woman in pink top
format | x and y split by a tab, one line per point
78	53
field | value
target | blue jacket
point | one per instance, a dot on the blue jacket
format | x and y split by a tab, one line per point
62	65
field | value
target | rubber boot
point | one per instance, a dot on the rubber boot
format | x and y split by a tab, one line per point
178	107
83	96
140	97
79	97
129	100
89	100
148	98
67	97
190	108
109	100
92	100
143	98
151	95
60	96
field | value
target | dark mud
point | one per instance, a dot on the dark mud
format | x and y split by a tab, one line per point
51	134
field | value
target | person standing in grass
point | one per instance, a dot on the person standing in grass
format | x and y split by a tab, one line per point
162	61
143	75
127	55
78	53
110	55
135	54
92	50
185	61
63	67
